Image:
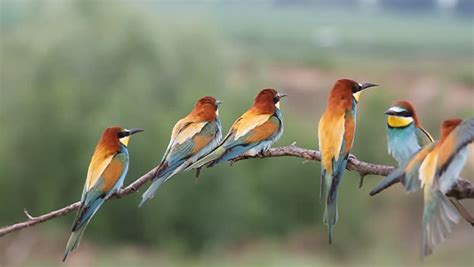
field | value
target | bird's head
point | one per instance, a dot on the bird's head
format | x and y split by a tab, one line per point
207	108
114	136
267	100
401	114
346	90
448	126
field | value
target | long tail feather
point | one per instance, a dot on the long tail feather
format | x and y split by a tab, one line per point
74	240
150	192
83	217
321	185
439	217
384	184
207	159
330	212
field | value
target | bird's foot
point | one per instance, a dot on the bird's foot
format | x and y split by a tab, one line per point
198	172
361	181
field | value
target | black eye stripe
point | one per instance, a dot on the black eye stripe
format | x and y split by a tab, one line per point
276	99
123	134
404	114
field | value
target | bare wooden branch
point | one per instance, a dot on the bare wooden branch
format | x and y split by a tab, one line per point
463	189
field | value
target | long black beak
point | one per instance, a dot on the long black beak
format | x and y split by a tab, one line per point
135	130
366	85
282	95
218	102
390	112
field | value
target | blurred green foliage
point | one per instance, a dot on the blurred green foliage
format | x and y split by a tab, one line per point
68	70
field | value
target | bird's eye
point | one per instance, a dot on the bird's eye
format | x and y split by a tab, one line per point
276	99
123	134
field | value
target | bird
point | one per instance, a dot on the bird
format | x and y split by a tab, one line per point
252	133
105	176
336	135
193	137
438	166
405	137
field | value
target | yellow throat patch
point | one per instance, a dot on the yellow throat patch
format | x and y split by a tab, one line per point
398	122
124	140
357	96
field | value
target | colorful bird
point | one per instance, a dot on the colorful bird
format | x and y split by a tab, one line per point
107	171
438	166
405	136
336	135
193	137
253	133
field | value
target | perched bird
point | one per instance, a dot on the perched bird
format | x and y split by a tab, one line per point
253	133
193	137
336	135
107	171
438	166
405	136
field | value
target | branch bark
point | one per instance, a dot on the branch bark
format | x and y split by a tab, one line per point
463	189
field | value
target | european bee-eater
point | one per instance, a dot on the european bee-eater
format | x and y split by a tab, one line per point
405	136
253	133
107	171
438	165
336	135
193	137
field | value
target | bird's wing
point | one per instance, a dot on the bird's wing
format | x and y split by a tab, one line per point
427	169
331	137
100	160
246	133
185	152
423	136
105	185
182	131
454	143
247	122
406	173
193	140
254	138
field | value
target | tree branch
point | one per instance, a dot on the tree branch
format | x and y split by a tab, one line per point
463	189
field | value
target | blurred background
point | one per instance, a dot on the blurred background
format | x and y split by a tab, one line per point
71	68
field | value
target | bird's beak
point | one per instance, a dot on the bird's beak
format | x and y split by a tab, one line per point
218	102
390	112
135	130
282	95
366	85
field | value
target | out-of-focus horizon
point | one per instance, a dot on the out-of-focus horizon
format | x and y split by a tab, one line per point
69	69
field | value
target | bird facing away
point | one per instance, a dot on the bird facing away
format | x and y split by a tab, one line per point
405	137
193	137
107	171
336	135
253	133
438	165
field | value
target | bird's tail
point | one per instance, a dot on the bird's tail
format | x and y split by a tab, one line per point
211	157
74	240
439	216
83	217
330	212
394	177
150	192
